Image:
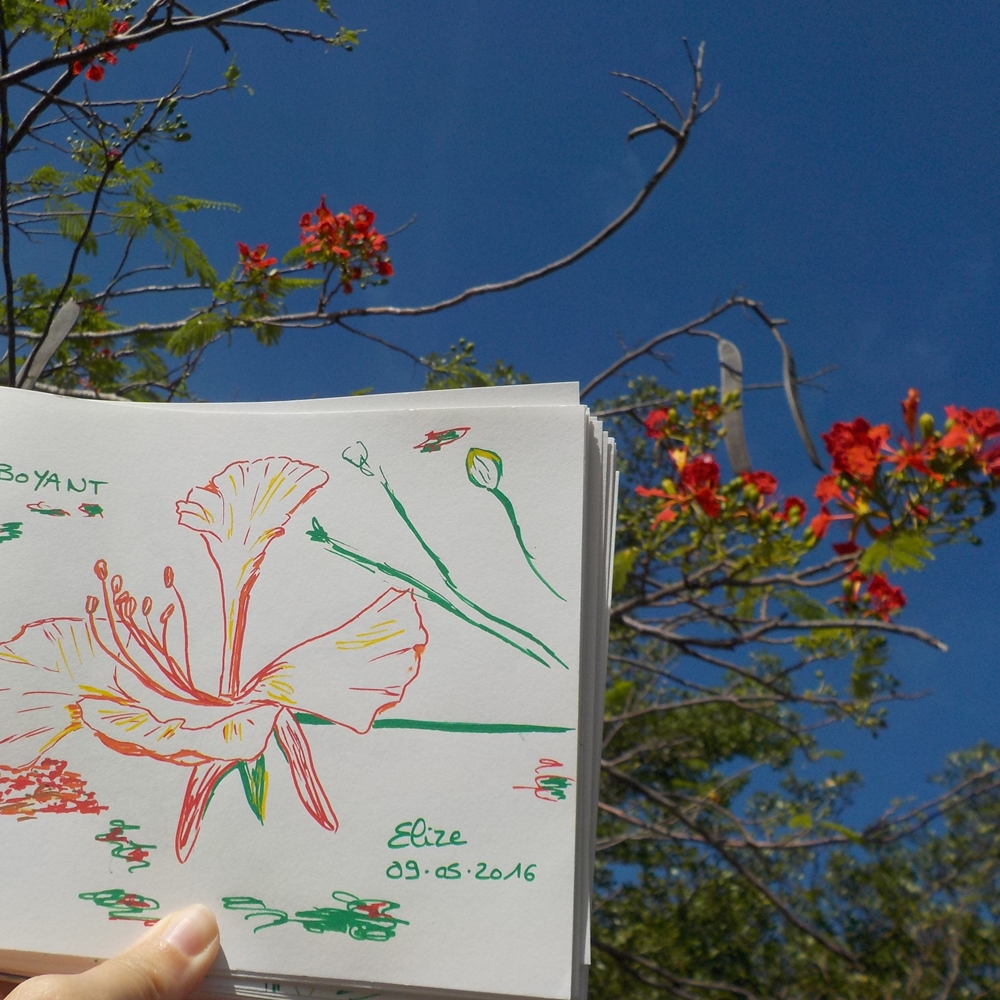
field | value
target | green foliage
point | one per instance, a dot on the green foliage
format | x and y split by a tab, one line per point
458	369
96	195
907	550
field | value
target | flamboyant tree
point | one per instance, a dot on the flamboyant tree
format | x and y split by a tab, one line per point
743	620
98	197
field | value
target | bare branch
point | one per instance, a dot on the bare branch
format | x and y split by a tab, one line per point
680	142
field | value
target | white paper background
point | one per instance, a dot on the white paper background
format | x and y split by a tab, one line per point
509	937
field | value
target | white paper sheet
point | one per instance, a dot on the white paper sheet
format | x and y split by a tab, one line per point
440	708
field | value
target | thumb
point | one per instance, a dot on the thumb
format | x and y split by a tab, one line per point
167	963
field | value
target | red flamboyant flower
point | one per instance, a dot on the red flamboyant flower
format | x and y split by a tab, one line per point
253	261
95	73
910	405
763	482
349	242
794	510
970	431
885	597
700	473
656	423
846	548
856	447
699	481
119	28
820	524
828	489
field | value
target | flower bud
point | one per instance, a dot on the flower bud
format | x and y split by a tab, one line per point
926	425
484	468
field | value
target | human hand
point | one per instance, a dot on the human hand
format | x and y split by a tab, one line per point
166	963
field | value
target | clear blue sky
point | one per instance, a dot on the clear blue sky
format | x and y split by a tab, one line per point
847	179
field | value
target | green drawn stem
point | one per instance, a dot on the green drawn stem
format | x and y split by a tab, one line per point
319	534
305	719
529	558
446	574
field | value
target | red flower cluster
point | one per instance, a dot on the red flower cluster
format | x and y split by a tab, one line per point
763	482
969	432
254	262
880	600
698	483
657	424
856	448
44	786
95	71
348	242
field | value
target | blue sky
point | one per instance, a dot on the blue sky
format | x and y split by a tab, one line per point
847	178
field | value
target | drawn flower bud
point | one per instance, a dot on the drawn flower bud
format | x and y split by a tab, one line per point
484	468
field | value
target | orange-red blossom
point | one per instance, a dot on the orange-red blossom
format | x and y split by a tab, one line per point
698	483
349	242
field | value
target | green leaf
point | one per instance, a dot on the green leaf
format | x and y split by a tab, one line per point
908	550
196	332
851	835
231	75
624	562
255	785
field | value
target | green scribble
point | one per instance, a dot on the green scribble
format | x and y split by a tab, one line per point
319	534
255	785
305	719
357	455
43	508
485	470
10	530
361	919
553	785
122	905
124	847
91	510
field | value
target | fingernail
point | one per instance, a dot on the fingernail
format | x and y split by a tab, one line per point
192	930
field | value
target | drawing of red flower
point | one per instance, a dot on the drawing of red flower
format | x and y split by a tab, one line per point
123	671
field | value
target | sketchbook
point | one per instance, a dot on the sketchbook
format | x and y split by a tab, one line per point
333	668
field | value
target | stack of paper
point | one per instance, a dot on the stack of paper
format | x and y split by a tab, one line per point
333	668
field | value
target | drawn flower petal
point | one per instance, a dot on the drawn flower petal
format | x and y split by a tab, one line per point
295	747
355	671
178	732
238	514
199	791
44	670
